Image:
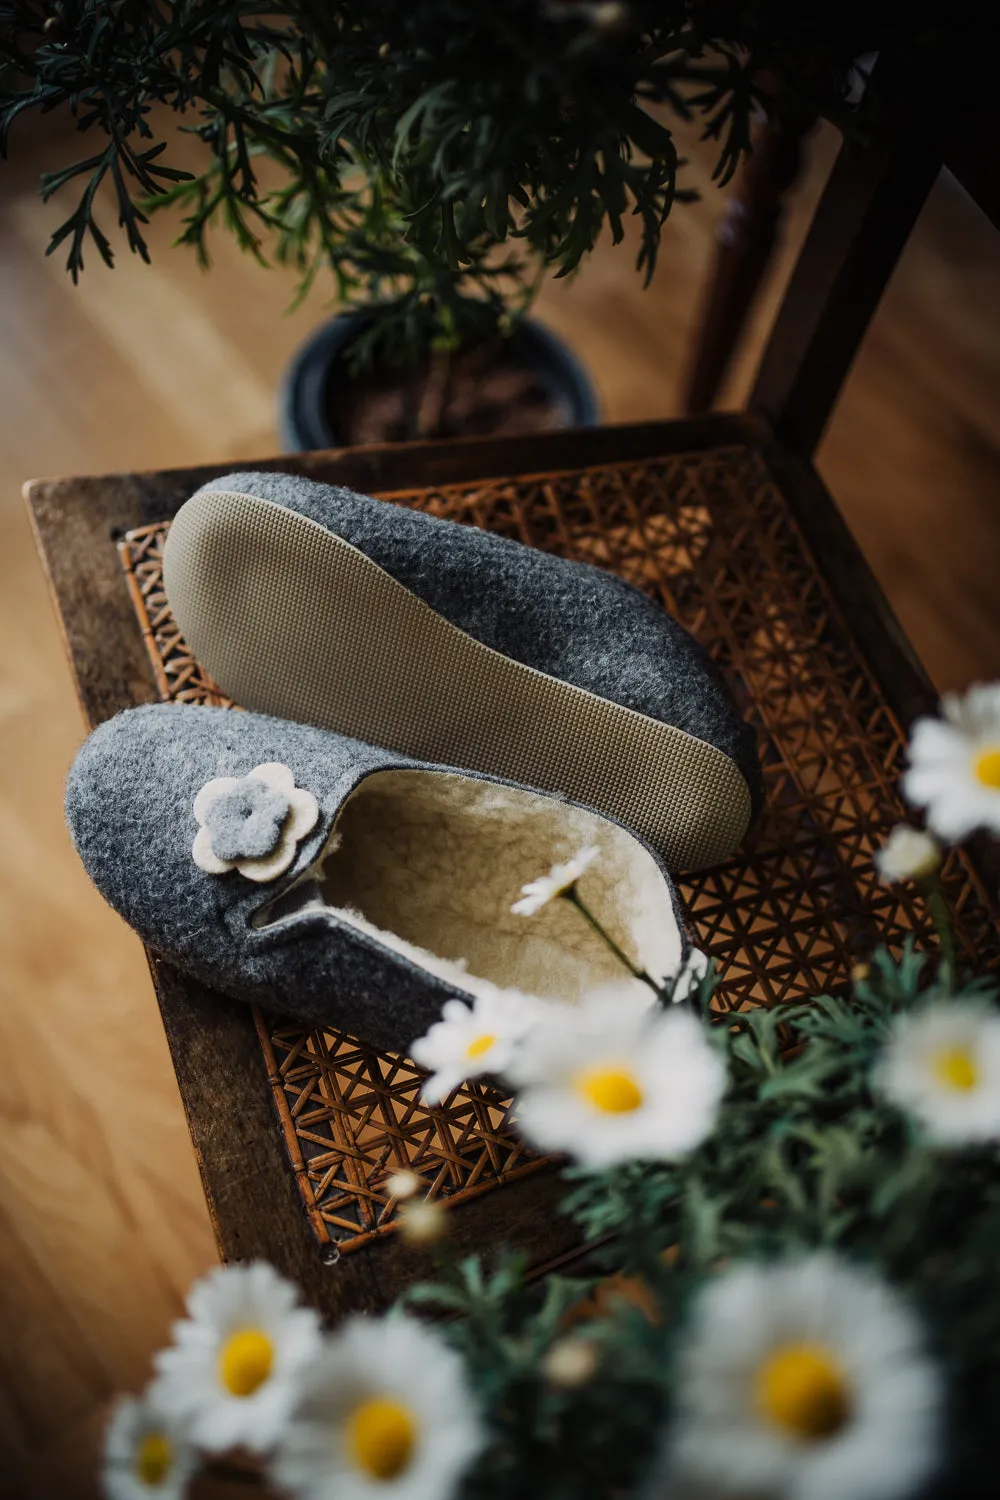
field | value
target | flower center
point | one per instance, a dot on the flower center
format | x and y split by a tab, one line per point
986	767
802	1389
153	1459
956	1068
381	1435
613	1091
480	1044
245	1361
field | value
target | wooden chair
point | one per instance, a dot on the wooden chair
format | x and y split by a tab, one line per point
726	521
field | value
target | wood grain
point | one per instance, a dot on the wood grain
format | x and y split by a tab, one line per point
102	1220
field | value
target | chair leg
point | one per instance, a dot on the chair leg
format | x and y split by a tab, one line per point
745	238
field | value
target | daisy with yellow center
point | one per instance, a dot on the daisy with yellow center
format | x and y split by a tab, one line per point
955	764
385	1412
232	1374
469	1041
146	1455
803	1381
613	1079
943	1066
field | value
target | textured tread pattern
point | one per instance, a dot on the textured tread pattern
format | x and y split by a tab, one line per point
292	620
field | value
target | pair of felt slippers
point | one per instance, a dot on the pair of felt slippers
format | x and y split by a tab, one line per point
434	715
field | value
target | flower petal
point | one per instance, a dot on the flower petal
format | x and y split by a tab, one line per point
304	814
276	775
211	792
271	865
205	856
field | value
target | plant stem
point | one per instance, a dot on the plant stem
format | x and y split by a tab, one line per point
942	926
573	897
435	396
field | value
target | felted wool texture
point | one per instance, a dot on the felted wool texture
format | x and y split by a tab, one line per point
433	862
247	822
568	619
129	805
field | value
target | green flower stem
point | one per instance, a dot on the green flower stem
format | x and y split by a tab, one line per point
573	897
942	926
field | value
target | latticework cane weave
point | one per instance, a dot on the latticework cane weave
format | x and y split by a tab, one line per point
711	537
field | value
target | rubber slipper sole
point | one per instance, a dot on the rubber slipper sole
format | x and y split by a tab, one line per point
291	620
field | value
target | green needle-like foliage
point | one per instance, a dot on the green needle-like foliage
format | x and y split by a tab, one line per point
435	156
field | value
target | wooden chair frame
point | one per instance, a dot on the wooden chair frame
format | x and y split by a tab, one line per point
870	204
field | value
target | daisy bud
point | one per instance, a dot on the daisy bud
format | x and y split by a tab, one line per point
570	1362
611	17
422	1222
907	854
403	1185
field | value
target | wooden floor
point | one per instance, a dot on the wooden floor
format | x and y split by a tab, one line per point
102	1225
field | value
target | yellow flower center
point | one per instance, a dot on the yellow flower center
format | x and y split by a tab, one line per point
381	1435
956	1068
986	767
153	1459
245	1361
801	1388
480	1044
613	1091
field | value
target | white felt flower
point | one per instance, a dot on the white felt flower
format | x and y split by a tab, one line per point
538	893
943	1065
804	1381
234	1371
955	764
907	854
386	1415
615	1079
146	1455
252	823
469	1041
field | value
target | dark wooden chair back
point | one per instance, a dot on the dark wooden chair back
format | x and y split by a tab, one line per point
926	116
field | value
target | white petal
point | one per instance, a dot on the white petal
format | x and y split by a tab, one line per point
205	856
270	866
211	792
304	813
274	774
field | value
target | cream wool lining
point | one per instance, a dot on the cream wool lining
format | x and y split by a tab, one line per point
429	862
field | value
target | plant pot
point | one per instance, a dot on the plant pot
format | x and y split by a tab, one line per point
530	382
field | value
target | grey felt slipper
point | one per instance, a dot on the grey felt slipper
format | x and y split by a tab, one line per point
456	646
324	879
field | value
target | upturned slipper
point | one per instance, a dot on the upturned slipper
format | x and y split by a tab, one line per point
459	647
346	885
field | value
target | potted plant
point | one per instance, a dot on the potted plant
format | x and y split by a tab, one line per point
437	159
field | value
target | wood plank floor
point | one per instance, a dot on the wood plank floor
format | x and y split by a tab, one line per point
102	1224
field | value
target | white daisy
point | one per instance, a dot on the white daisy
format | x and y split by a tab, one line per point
386	1413
955	764
538	893
252	823
614	1079
146	1456
907	854
469	1041
234	1370
804	1381
943	1065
